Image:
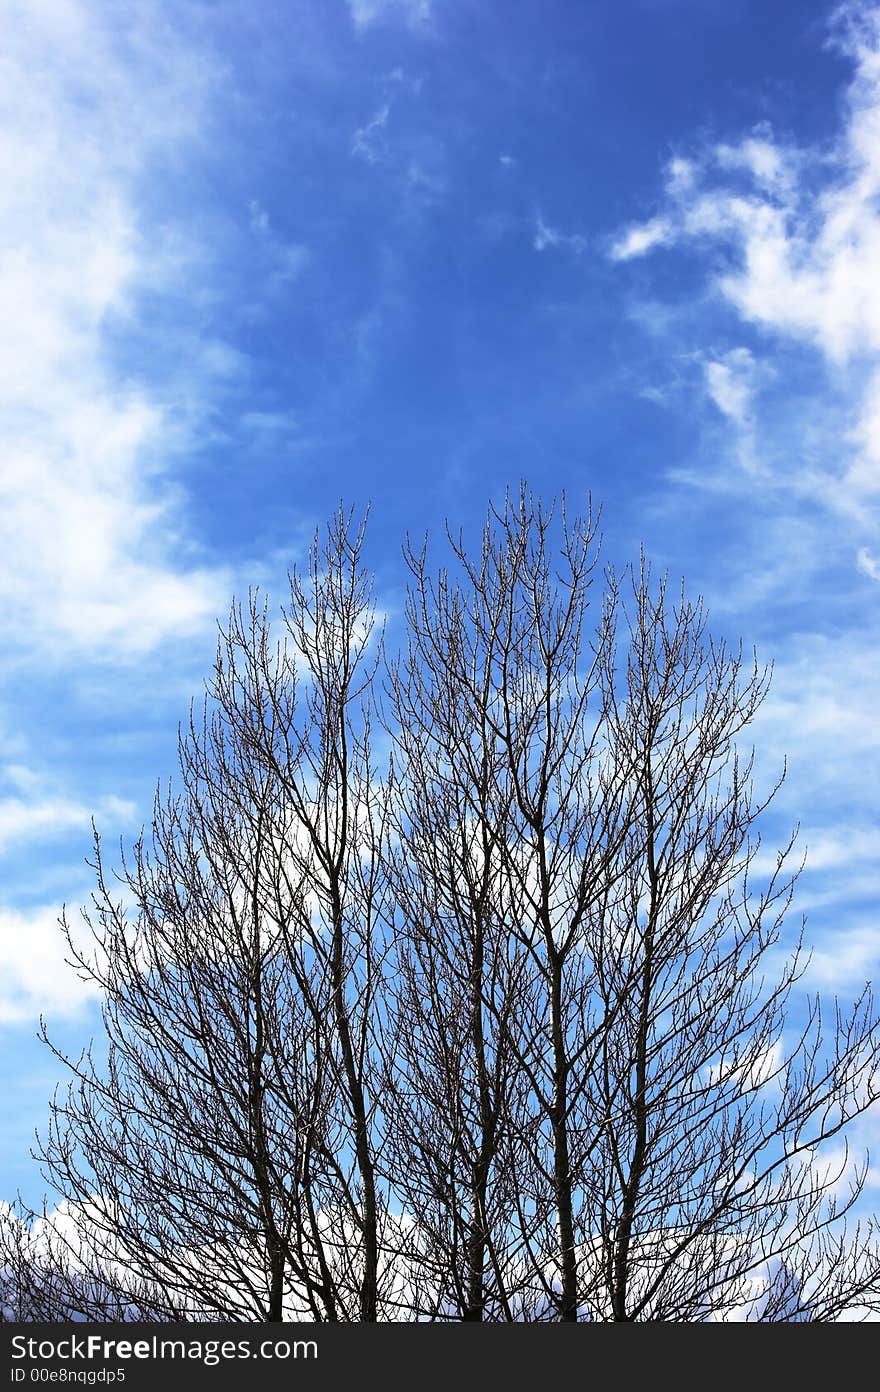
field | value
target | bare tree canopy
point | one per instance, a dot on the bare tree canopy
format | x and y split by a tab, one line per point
445	985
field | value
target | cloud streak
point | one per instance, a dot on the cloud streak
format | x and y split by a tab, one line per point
417	14
31	809
545	236
369	139
90	527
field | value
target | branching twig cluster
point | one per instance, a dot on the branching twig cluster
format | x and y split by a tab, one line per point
438	988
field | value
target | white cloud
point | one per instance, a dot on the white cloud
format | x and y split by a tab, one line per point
33	809
24	821
89	527
259	217
368	140
821	712
864	469
400	78
285	260
680	174
832	851
425	183
546	236
416	13
845	959
820	718
269	426
805	260
639	240
802	233
868	564
769	166
730	383
790	237
35	978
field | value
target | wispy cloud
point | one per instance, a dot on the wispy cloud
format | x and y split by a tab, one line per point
642	238
733	381
284	260
369	140
547	236
867	563
778	338
845	960
730	384
414	158
32	809
90	529
415	13
400	78
798	229
819	719
34	976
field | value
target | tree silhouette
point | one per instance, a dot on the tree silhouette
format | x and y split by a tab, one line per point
220	1163
498	1027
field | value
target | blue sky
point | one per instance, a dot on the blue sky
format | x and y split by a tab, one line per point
260	256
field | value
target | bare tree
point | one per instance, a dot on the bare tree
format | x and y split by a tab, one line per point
712	1103
578	802
459	976
509	821
219	1162
509	1033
